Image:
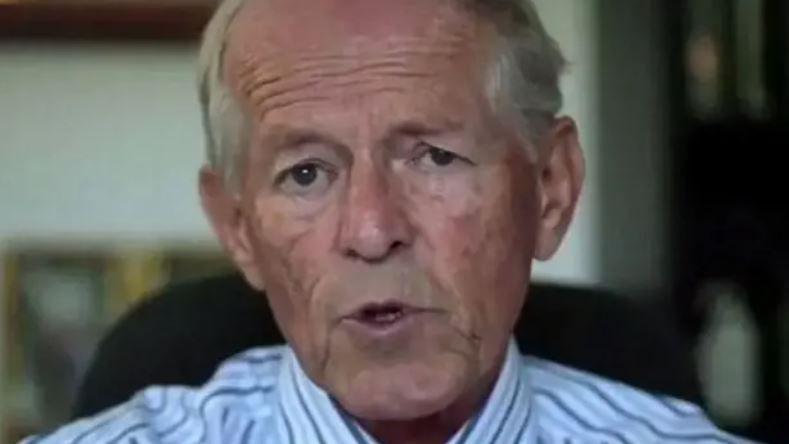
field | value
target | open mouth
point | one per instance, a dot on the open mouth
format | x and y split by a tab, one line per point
381	315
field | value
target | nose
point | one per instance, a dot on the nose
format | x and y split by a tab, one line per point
373	226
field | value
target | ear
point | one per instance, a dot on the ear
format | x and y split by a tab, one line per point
224	211
561	171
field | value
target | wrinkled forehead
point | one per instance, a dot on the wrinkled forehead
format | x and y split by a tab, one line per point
273	35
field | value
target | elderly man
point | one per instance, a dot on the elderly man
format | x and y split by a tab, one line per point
388	171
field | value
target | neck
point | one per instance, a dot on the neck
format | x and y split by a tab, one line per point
441	426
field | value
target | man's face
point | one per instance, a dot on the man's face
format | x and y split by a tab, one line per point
389	216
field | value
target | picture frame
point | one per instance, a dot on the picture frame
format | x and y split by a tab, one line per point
60	300
105	19
54	312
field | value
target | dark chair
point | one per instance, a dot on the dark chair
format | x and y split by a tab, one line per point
182	334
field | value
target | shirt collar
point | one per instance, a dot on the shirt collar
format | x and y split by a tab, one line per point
310	415
507	415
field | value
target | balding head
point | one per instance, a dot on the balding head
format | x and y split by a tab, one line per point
267	65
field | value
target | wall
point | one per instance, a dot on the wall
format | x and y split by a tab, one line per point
634	147
98	143
102	142
573	24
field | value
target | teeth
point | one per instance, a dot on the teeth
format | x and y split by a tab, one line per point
387	317
380	315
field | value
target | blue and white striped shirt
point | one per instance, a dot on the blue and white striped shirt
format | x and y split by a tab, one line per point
263	396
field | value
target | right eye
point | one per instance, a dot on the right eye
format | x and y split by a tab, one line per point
306	179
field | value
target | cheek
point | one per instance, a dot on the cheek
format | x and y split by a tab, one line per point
478	235
289	250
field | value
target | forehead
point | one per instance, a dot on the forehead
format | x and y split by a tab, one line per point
272	40
292	25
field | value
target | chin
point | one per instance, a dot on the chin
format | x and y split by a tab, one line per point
403	392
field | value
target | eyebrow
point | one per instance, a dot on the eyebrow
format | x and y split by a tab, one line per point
418	128
285	136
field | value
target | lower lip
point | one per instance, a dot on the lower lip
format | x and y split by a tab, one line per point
403	324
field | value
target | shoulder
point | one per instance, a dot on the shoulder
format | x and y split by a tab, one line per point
236	404
598	409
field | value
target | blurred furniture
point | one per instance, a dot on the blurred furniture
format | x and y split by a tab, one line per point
182	334
730	119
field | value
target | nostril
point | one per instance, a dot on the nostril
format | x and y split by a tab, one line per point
375	256
396	246
351	253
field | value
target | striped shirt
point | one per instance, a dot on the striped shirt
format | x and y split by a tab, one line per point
263	396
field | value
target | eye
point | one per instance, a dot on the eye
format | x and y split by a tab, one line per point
306	179
432	158
441	157
304	175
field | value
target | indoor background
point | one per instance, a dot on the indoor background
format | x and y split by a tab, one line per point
682	105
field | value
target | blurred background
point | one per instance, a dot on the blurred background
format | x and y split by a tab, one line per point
683	107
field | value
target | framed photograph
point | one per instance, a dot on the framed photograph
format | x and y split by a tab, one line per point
105	19
54	315
59	302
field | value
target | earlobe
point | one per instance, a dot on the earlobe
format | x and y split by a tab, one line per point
561	174
223	210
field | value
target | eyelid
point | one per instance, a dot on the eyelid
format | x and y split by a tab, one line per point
423	147
328	155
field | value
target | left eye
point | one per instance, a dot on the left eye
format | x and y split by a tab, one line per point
434	158
441	157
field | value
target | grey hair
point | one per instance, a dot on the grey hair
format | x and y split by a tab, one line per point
523	79
224	123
